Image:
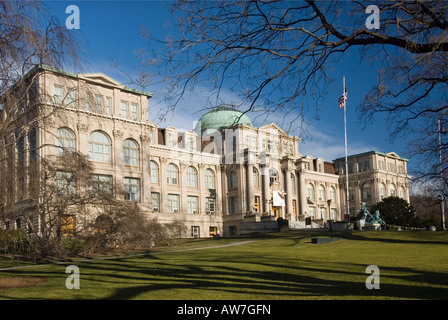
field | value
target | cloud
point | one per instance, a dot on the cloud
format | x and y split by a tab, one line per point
330	146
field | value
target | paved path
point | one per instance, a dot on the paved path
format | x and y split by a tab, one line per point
129	256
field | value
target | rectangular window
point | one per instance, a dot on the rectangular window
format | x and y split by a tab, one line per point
171	140
98	103
155	199
100	183
192	204
233	205
64	183
134	111
132	189
58	95
210	205
311	212
173	203
71	97
124	109
89	101
108	104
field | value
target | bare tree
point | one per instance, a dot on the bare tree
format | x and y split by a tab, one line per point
278	55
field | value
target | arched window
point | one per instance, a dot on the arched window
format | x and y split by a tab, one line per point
333	194
402	193
172	174
209	179
273	175
154	167
310	191
232	179
130	152
256	177
392	190
192	177
383	193
293	183
366	193
321	192
99	147
65	141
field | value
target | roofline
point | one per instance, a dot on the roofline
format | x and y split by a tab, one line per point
369	153
77	76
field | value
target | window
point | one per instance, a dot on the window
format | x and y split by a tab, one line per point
124	109
100	183
189	144
392	190
65	141
381	165
256	177
273	175
65	185
89	101
233	204
99	147
195	231
323	213
155	199
311	212
210	205
402	192
293	183
71	97
321	192
232	179
310	191
209	179
132	189
332	194
383	193
108	104
171	140
134	111
333	214
130	152
351	193
366	192
173	203
58	95
172	174
192	177
192	204
154	167
98	103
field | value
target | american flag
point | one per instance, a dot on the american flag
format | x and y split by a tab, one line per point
343	99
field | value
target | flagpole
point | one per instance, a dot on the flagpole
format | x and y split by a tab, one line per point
346	158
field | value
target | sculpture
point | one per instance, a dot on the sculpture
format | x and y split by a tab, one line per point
369	221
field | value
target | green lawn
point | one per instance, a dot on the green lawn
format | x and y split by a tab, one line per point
413	265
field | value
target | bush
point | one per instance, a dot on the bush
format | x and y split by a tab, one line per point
14	242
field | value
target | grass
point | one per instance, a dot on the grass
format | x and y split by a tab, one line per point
286	265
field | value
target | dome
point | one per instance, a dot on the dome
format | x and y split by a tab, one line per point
221	118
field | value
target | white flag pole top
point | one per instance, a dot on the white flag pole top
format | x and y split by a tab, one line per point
346	156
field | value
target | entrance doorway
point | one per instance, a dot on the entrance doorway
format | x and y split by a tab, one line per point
275	212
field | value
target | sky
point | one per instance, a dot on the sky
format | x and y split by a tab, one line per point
109	33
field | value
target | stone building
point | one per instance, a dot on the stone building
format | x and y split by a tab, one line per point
224	177
372	176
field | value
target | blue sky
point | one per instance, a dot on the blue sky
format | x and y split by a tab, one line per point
109	32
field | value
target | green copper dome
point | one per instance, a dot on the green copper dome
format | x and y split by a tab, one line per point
221	118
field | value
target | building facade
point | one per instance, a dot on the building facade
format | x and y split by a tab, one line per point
224	177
